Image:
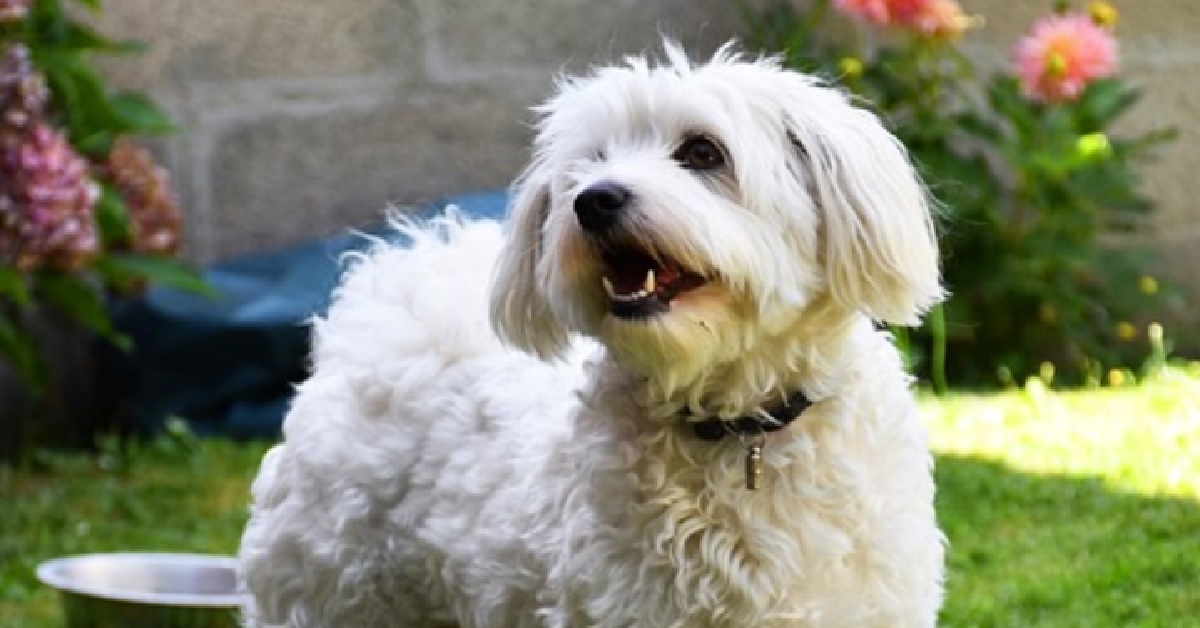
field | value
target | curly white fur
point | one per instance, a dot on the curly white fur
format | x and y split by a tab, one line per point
433	476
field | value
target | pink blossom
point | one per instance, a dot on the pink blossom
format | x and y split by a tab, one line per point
1062	55
934	18
874	11
154	217
13	10
46	201
23	91
885	12
906	12
941	18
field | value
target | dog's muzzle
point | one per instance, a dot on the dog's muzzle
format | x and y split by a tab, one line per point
639	280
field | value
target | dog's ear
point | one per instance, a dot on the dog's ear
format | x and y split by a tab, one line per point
521	313
880	249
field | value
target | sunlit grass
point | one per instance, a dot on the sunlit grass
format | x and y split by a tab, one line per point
1072	508
1063	509
1144	439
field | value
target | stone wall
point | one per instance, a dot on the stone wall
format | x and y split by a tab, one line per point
302	117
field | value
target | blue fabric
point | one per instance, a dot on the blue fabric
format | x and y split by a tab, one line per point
227	364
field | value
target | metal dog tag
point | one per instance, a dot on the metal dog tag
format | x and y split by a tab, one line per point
753	466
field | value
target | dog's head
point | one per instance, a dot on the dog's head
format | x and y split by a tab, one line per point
678	213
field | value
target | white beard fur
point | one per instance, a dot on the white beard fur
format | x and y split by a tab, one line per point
431	475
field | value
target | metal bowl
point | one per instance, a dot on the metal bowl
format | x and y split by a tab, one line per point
139	590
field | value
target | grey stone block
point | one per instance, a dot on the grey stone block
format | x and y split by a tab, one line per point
1169	176
213	40
280	179
470	40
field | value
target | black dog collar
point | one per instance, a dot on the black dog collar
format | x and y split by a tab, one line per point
776	419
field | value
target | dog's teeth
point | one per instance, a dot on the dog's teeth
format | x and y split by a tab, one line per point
630	298
608	287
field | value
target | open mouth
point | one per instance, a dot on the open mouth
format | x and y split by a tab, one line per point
640	284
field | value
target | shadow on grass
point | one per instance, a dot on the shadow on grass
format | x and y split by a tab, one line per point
1035	550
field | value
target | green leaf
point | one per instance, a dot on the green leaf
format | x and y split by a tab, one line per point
98	143
82	302
112	216
13	285
978	126
124	268
21	353
79	91
46	22
72	36
1147	141
1103	102
51	28
93	117
138	114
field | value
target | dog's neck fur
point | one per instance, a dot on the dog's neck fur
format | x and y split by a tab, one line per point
808	356
682	494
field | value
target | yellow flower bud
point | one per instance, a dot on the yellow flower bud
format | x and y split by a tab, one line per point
1125	331
1155	332
851	67
1148	285
1116	378
1056	64
1046	372
1103	14
1093	145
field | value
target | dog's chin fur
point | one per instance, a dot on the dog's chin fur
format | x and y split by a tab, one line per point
535	468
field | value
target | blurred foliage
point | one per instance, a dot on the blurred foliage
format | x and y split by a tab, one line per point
60	126
1035	197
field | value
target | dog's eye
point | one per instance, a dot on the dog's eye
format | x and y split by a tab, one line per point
699	153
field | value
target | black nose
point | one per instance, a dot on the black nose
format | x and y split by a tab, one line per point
600	205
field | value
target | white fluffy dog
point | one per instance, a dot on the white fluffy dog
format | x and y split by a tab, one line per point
704	428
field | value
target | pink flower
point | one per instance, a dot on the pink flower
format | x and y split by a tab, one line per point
905	13
1062	55
46	201
14	10
941	18
934	18
873	11
23	91
154	217
884	12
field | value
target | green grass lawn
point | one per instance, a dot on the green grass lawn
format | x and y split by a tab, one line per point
1063	508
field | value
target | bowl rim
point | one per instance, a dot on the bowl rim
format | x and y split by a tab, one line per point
49	573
